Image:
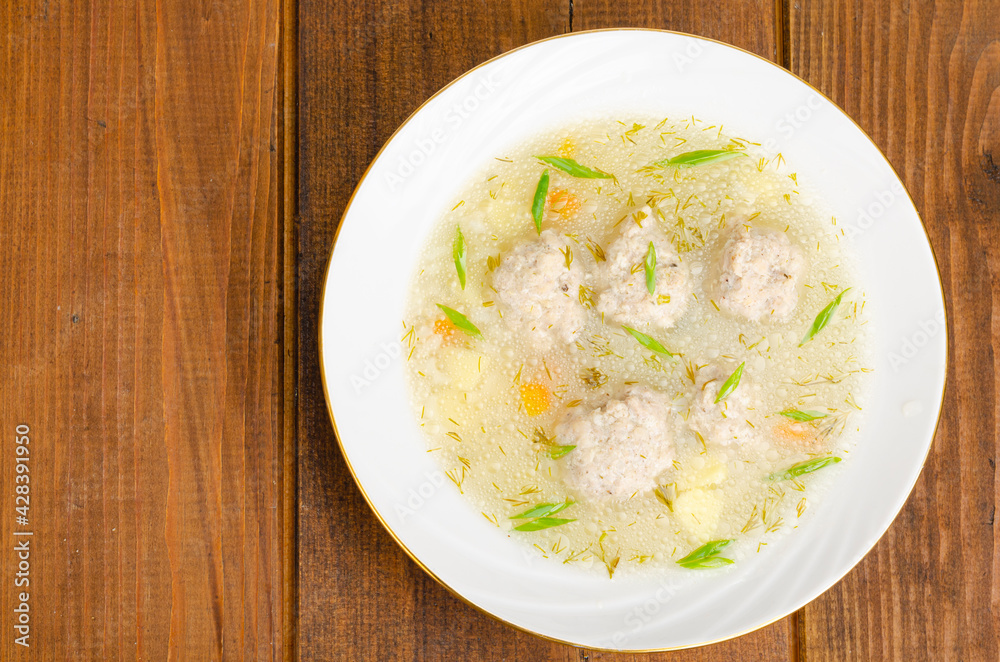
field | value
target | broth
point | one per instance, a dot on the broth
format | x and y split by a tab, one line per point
496	406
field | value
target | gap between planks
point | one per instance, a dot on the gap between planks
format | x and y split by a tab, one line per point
288	142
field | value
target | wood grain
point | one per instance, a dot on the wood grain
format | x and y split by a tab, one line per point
364	66
749	24
924	80
158	318
142	268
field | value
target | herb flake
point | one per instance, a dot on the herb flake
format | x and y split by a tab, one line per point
556	452
458	252
544	510
543	523
648	342
461	321
538	204
699	157
571	167
541	516
730	384
803	415
707	556
823	318
803	468
549	445
710	562
650	265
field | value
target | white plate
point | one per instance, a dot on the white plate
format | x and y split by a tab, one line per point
511	98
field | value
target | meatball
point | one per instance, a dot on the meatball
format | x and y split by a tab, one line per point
621	447
538	293
760	274
725	422
624	297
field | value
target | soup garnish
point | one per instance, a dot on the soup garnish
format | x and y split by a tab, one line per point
614	348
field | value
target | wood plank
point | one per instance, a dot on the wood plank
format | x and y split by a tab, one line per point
358	593
364	66
749	24
924	81
141	327
287	125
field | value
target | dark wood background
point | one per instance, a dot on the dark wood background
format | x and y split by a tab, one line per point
171	177
923	78
142	314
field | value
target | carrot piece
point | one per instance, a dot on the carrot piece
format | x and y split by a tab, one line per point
535	397
799	434
563	204
449	333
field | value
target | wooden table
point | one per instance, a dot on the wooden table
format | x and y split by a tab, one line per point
171	176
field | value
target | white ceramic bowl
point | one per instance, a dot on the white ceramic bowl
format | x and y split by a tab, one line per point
511	98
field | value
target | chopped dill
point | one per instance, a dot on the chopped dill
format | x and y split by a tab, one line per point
601	346
548	445
568	255
454	477
593	378
690	370
706	208
631	133
595	250
666	494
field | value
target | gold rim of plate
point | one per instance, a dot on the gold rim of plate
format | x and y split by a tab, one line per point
333	420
